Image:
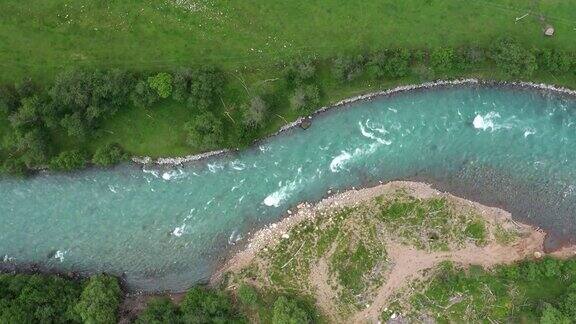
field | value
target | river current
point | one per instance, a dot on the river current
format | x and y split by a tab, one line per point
165	228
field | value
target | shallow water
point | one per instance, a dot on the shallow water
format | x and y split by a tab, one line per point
168	228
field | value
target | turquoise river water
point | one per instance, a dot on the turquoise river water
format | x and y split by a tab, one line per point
165	228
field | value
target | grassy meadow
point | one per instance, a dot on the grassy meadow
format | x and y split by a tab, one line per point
249	40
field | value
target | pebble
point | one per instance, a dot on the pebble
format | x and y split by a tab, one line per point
285	236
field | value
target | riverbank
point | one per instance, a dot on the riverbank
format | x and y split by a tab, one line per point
506	242
299	122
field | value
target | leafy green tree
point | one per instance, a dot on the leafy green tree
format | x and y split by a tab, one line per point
442	59
160	311
205	131
512	58
99	300
162	84
305	98
108	155
143	96
254	112
390	63
69	160
287	311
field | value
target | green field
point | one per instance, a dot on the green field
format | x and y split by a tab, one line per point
249	39
40	37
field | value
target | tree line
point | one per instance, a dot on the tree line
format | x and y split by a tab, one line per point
79	101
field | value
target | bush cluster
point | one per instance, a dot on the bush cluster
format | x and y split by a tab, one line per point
79	101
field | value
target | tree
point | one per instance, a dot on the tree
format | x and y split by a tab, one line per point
69	160
512	58
162	84
160	311
442	59
108	155
347	68
254	112
305	98
143	96
204	131
99	300
287	311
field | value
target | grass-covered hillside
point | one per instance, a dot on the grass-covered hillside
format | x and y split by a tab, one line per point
41	37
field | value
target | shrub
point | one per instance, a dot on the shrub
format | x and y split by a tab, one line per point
512	58
442	59
206	86
554	61
31	146
287	311
551	315
247	295
14	166
160	311
181	88
390	63
204	131
27	114
108	155
347	68
206	306
37	299
68	161
143	96
305	98
99	300
299	72
162	84
9	99
254	112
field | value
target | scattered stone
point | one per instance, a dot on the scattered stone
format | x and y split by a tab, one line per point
537	255
285	236
306	123
549	31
